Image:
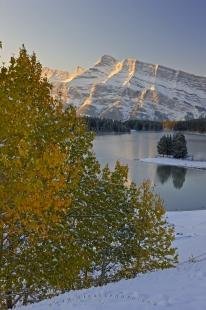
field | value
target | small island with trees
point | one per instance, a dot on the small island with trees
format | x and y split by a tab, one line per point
174	146
172	151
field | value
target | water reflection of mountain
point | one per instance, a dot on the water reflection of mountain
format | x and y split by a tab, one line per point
177	174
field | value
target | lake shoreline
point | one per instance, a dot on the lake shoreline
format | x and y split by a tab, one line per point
176	186
194	164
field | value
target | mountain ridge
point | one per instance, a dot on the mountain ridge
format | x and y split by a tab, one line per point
131	89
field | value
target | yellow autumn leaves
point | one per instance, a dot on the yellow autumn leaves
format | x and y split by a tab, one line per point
63	220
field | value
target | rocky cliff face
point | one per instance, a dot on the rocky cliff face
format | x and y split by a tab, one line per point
131	89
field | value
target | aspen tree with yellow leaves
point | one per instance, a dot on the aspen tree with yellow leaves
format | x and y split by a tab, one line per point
65	223
122	228
41	151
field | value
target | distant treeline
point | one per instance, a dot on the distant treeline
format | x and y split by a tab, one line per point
108	125
198	125
105	125
144	125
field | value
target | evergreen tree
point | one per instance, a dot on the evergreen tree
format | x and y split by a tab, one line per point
161	146
175	146
164	146
179	149
169	143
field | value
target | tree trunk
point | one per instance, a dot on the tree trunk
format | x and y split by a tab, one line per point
9	301
103	273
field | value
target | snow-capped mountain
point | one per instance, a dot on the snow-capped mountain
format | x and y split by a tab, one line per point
60	80
131	89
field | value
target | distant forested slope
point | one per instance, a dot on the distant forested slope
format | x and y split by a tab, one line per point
108	125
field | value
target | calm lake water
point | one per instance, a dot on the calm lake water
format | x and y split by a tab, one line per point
181	188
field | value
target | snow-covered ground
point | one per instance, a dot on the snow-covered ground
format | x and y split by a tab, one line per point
176	162
183	287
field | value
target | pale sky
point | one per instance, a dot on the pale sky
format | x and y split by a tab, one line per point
67	33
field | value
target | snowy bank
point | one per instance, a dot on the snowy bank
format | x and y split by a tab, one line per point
182	287
176	162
